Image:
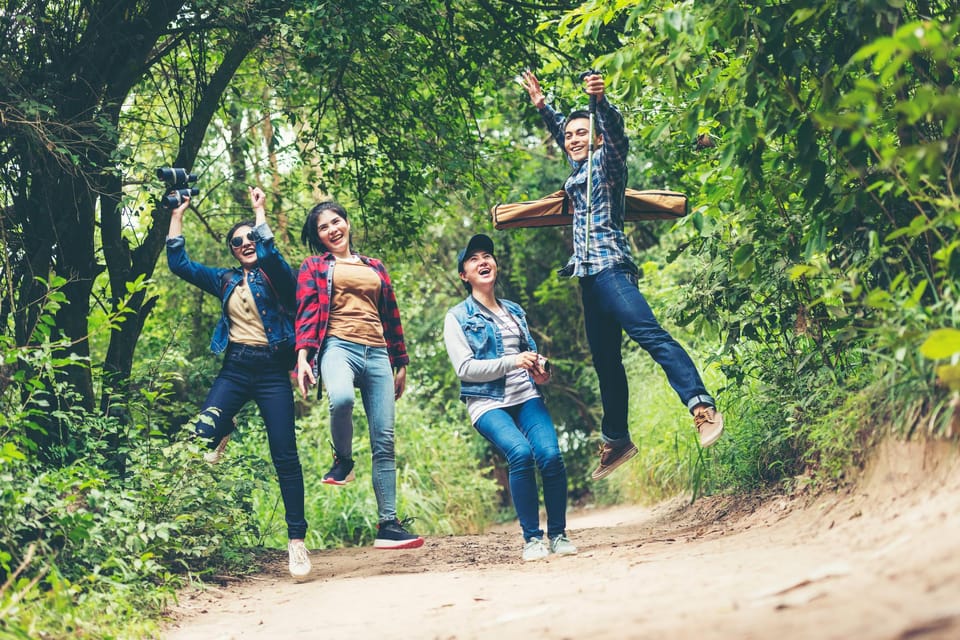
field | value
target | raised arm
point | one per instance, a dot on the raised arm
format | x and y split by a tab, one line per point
176	219
609	125
271	261
532	85
552	119
257	200
180	264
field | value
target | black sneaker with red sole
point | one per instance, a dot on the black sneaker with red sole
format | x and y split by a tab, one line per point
340	473
392	534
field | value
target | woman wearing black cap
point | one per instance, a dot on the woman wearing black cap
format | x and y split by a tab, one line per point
495	357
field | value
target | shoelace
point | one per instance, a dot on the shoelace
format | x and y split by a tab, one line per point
299	554
336	457
703	416
398	522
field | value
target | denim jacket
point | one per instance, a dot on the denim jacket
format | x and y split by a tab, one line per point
485	340
272	284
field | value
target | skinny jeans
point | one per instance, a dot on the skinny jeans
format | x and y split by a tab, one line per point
345	365
527	438
262	375
612	304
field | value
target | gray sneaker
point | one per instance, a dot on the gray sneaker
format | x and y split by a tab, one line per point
214	455
534	549
562	546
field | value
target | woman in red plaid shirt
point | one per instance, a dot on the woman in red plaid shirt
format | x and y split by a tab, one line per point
349	335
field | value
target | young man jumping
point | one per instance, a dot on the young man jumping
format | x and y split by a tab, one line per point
602	260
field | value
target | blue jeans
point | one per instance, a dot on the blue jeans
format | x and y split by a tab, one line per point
612	304
525	435
254	373
343	366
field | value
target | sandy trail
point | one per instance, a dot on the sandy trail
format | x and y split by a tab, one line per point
878	561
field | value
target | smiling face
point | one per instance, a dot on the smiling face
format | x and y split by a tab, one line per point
479	270
576	139
246	253
334	232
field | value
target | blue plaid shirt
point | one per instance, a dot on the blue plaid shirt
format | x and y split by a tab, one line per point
607	244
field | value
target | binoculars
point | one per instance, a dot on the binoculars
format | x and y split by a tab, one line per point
178	186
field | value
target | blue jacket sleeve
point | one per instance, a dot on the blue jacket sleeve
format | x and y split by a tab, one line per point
271	262
202	276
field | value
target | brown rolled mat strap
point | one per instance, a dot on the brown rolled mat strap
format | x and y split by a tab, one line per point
554	210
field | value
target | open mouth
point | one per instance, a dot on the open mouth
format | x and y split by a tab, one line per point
335	238
484	271
248	251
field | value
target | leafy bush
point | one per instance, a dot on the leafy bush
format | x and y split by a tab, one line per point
98	532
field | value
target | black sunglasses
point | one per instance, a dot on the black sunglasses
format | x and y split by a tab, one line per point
237	241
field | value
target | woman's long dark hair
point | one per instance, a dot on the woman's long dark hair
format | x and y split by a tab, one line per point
308	235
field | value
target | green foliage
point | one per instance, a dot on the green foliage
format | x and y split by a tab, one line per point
93	551
827	205
942	344
815	281
101	539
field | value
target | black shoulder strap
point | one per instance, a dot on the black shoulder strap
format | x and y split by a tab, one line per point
225	279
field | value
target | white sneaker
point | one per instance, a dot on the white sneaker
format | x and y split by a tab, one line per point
562	546
535	549
213	456
299	559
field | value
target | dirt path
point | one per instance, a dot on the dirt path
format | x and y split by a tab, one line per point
882	561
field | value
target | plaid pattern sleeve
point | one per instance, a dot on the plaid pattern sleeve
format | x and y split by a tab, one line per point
615	140
390	318
554	123
313	303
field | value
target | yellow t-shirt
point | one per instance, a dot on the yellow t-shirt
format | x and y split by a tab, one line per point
354	314
246	326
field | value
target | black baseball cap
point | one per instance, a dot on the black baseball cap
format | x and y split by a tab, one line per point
479	242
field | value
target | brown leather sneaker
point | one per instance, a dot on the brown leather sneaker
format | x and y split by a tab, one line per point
709	423
611	457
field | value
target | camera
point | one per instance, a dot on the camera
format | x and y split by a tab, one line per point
178	186
543	362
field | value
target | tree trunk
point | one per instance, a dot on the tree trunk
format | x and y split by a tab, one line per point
127	266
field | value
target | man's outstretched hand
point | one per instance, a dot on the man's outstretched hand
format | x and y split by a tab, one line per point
532	85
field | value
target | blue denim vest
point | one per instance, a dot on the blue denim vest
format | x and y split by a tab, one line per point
484	337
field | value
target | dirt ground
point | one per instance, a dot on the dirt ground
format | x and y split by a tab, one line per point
879	561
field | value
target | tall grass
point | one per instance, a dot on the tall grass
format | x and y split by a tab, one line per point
439	482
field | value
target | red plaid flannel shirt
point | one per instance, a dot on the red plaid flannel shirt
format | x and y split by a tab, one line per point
314	286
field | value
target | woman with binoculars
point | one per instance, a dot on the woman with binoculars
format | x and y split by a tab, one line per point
256	335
